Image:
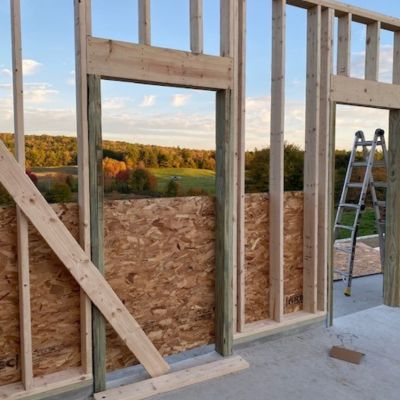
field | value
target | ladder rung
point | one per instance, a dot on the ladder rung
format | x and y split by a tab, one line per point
349	228
381	203
365	143
349	205
380	184
379	164
337	271
360	163
355	185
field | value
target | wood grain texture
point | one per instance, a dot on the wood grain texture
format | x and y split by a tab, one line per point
42	216
196	26
344	45
160	260
373	43
140	63
144	22
257	255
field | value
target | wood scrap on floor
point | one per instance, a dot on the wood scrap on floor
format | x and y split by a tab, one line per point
351	356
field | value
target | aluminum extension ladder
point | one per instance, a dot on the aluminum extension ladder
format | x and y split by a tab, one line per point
369	163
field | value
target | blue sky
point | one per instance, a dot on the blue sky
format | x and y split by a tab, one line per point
168	116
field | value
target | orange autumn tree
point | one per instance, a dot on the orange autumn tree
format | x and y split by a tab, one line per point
113	167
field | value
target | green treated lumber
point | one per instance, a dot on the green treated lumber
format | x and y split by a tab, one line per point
96	227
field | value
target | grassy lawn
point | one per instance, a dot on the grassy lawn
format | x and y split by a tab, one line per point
367	223
187	178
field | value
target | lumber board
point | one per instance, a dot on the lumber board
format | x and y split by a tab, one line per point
241	99
144	22
175	380
196	26
82	15
124	61
372	51
327	23
22	223
391	271
43	217
96	182
276	168
344	45
360	15
364	93
311	165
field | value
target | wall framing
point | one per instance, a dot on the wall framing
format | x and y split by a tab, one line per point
98	59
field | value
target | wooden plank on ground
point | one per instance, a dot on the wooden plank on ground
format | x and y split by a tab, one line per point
82	11
124	61
327	21
276	169
310	253
22	222
372	51
175	380
360	92
344	45
57	236
144	22
196	26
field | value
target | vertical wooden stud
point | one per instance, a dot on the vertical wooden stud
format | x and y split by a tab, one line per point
327	19
226	142
372	51
22	222
82	11
391	273
344	45
276	167
310	254
241	97
196	26
96	226
144	22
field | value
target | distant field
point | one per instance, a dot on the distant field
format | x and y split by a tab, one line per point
187	178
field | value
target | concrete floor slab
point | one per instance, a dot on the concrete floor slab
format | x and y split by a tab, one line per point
298	367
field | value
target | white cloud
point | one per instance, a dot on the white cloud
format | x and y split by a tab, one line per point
30	67
148	101
71	79
179	100
38	93
115	103
6	72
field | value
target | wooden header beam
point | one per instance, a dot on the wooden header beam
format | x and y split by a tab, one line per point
139	63
360	15
364	93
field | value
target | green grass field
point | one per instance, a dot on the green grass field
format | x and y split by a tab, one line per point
187	177
367	224
67	170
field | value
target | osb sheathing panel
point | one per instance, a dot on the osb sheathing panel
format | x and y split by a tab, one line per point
257	255
54	302
160	258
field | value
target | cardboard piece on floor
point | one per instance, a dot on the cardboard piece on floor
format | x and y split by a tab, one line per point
351	356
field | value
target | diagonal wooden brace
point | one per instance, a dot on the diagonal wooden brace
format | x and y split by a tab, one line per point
53	231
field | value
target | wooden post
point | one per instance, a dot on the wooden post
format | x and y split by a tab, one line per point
82	10
96	226
310	255
226	141
372	51
276	165
391	273
241	97
196	26
22	222
344	45
144	22
327	20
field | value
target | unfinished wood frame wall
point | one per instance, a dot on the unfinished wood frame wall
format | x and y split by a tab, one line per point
323	91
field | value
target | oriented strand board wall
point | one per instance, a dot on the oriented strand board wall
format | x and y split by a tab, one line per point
54	302
257	254
159	257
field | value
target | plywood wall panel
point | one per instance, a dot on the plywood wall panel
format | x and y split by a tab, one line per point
159	258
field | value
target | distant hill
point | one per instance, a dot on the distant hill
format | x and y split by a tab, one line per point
55	151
